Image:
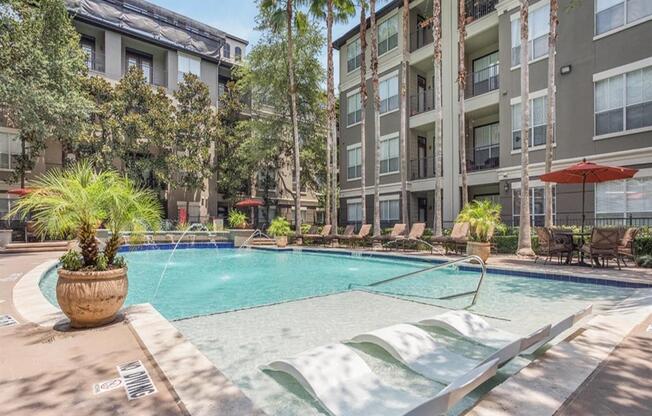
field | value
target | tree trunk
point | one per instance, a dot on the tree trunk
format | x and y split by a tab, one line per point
438	160
524	234
461	83
374	84
330	109
332	124
22	155
363	119
295	123
552	106
403	128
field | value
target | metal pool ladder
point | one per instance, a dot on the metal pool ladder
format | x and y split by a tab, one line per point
441	266
256	233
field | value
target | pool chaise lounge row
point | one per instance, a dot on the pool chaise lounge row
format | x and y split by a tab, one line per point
345	385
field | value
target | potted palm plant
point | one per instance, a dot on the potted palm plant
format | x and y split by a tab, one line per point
237	219
92	284
280	229
483	217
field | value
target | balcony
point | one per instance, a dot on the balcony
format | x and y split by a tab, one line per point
422	102
476	9
482	81
484	158
420	38
422	168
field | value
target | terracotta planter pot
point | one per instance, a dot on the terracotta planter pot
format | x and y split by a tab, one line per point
281	241
91	299
482	250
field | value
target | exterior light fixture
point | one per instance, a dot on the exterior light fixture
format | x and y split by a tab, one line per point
566	69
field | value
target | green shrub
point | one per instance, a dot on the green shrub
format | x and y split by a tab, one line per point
305	228
102	263
120	262
643	245
72	261
482	216
237	219
280	227
644	261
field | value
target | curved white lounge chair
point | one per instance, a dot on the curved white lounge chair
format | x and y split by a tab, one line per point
477	329
345	385
423	354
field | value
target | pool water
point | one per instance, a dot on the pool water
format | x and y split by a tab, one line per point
204	281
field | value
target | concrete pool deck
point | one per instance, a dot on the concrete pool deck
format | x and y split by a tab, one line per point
48	371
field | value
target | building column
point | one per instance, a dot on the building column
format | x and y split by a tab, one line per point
113	55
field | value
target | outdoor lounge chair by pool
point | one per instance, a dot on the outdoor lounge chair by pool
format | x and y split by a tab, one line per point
477	329
362	234
344	385
398	231
348	231
318	237
456	240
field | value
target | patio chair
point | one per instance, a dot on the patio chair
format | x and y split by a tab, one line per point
342	382
348	231
456	240
318	237
415	234
626	245
398	232
357	238
549	247
603	245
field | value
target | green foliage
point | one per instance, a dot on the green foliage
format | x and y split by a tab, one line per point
643	245
279	227
644	261
102	263
237	219
305	228
72	261
482	215
119	262
41	72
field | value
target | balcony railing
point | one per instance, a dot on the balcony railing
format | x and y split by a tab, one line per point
95	62
482	81
420	38
422	168
475	9
422	102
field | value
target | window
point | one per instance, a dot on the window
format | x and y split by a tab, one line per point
9	150
354	210
390	209
623	198
226	51
353	109
612	14
221	89
538	123
389	154
537	205
5	205
485	74
238	53
142	61
87	44
486	146
354	161
388	89
353	56
189	65
624	102
539	27
388	35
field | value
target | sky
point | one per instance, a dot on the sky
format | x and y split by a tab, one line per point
238	17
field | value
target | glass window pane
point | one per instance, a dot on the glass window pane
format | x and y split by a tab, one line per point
610	197
610	18
638	9
616	85
602	95
634	87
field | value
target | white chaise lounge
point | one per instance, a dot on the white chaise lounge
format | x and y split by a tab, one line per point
344	384
477	329
423	354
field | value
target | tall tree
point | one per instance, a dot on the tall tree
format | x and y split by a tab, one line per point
552	106
363	98
461	84
41	72
404	104
524	234
376	92
283	15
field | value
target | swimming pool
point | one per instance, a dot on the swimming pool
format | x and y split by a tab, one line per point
204	281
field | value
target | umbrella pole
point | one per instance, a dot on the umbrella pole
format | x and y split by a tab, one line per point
583	198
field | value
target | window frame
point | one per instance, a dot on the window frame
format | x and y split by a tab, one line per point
516	17
11	135
358	118
386	79
626	211
357	202
516	214
387	21
180	73
357	148
388	200
616	29
383	141
140	57
357	60
541	94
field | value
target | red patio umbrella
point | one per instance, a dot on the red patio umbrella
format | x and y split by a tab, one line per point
19	191
588	172
249	203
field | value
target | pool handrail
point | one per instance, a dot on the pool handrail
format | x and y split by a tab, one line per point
441	266
256	233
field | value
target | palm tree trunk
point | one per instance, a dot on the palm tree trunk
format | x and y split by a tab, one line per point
332	125
330	90
524	234
376	92
363	119
436	30
552	106
403	129
461	83
295	123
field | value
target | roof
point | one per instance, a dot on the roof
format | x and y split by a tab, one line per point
394	4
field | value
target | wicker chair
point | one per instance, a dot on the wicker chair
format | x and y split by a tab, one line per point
603	245
626	245
550	247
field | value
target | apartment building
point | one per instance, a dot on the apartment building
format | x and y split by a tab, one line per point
119	34
604	109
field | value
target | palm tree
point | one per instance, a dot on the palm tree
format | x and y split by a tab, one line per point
363	98
403	128
552	106
461	83
79	199
282	14
524	233
436	30
376	92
